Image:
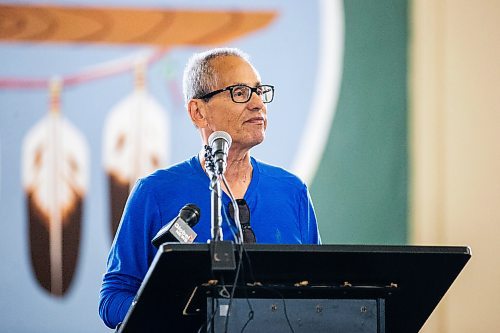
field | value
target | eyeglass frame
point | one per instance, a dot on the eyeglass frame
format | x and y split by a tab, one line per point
230	88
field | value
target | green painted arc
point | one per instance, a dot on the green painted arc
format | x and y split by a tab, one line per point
360	190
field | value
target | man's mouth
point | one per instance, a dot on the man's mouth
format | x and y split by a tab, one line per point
255	120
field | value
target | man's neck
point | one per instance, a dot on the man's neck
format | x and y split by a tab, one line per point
238	171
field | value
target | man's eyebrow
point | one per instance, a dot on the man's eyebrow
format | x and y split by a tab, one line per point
256	84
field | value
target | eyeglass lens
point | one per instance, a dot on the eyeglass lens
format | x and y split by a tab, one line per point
248	234
242	94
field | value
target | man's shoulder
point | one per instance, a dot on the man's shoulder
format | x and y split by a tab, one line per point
277	173
181	170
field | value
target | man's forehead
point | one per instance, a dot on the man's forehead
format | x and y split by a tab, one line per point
231	70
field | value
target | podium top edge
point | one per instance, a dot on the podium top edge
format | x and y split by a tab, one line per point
461	250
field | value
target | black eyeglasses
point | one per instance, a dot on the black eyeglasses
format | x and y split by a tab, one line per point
246	228
241	93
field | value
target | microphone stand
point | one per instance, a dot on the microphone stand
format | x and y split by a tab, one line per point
221	252
216	204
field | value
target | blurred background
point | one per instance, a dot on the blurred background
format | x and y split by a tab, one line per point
389	110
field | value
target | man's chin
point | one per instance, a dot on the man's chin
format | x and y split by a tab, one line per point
254	141
258	140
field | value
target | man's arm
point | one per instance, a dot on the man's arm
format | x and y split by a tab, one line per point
116	298
130	255
308	223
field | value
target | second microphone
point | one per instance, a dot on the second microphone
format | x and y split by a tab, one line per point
180	228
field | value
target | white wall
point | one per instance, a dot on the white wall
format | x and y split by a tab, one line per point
455	158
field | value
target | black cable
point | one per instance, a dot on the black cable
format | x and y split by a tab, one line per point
284	307
241	249
250	318
286	314
240	260
271	289
250	312
208	322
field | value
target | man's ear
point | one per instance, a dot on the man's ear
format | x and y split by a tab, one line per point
197	112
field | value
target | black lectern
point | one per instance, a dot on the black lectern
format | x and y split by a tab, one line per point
289	288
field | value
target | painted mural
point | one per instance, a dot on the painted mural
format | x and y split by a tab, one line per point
90	100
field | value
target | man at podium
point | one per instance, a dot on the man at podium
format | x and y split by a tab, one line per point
223	92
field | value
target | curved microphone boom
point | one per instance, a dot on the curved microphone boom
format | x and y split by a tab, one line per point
180	228
220	142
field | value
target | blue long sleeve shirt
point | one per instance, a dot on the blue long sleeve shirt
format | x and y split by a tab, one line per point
280	206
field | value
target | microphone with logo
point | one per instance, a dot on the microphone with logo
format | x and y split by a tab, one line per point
180	228
220	142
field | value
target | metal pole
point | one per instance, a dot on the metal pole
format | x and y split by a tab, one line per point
216	204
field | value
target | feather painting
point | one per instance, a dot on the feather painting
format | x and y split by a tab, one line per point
135	144
55	177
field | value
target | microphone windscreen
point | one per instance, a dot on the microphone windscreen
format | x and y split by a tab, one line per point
219	135
190	213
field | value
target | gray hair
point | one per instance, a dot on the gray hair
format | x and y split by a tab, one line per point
200	77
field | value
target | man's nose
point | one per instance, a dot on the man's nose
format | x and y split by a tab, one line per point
255	102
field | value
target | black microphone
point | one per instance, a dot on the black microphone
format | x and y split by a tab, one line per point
180	228
220	142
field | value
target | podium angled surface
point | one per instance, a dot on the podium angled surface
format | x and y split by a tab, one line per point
411	280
